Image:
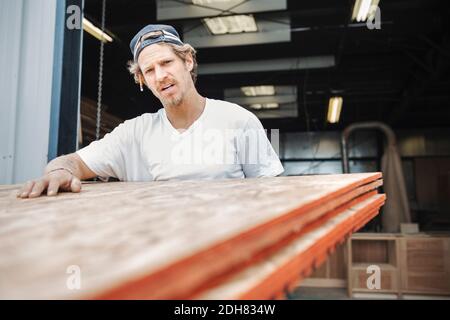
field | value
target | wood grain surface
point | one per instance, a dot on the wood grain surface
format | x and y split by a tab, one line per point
156	239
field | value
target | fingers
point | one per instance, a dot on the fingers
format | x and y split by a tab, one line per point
53	187
60	181
38	188
26	189
75	186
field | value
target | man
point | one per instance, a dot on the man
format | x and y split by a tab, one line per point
192	137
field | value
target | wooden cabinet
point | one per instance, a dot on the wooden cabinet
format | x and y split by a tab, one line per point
408	264
417	264
425	264
373	251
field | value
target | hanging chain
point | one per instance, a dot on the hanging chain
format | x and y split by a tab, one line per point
100	76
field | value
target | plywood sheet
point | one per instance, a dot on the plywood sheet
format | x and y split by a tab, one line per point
274	275
158	239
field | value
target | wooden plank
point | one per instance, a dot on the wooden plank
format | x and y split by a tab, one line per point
267	252
137	240
223	256
281	271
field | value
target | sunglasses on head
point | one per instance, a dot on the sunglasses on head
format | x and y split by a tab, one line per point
155	35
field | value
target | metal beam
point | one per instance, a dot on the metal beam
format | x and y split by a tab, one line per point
300	63
173	10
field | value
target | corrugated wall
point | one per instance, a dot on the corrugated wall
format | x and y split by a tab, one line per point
27	32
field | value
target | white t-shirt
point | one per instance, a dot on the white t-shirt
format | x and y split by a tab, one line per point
226	141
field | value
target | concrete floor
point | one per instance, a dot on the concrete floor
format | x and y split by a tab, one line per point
309	293
306	293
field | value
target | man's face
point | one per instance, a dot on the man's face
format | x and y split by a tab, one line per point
167	76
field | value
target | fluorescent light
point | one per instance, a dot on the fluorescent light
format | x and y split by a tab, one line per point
206	2
259	106
334	109
94	31
231	24
364	9
258	91
271	106
256	106
373	10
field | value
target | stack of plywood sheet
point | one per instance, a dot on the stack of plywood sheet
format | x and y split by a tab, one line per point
222	239
88	115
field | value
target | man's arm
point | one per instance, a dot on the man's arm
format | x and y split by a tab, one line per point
62	173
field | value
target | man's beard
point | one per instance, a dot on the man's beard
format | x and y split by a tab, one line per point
172	101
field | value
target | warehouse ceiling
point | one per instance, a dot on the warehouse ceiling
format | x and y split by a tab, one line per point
398	74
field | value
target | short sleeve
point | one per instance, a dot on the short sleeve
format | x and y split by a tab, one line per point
106	157
255	152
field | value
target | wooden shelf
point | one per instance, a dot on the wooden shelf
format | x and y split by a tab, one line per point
366	250
413	264
364	266
374	236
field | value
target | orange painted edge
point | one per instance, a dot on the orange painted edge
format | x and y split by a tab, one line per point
303	264
166	284
264	254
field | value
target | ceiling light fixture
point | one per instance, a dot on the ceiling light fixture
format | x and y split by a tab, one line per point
334	109
90	28
231	24
264	106
253	91
271	106
206	2
364	10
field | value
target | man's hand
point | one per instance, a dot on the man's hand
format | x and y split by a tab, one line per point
52	182
63	173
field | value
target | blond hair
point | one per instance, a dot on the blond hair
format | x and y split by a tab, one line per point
181	51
